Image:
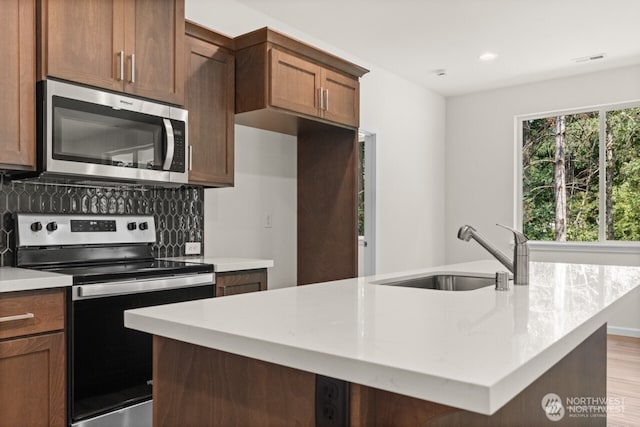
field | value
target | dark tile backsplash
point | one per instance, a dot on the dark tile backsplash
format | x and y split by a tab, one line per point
179	212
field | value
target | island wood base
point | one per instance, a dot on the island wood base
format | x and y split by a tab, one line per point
196	386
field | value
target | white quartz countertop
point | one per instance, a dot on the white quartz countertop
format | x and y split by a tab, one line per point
22	279
474	350
221	264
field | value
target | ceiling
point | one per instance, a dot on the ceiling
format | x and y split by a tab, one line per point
534	40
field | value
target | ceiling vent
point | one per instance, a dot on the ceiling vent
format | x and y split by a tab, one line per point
589	58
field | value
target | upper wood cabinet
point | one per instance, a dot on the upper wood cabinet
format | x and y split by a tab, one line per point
209	97
135	46
341	101
17	84
294	83
276	74
305	87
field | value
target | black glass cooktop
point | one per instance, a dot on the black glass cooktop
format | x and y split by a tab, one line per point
115	271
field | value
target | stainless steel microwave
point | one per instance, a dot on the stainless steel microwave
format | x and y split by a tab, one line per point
92	134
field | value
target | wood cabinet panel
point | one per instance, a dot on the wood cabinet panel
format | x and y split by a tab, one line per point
47	308
342	98
135	46
33	390
327	205
209	97
154	43
222	389
17	83
240	282
81	41
294	83
283	84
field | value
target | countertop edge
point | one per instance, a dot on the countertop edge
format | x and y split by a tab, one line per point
226	264
402	381
505	390
14	279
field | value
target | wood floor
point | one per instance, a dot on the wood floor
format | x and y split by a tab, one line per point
623	379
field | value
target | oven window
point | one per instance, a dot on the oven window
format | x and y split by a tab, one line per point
111	365
96	134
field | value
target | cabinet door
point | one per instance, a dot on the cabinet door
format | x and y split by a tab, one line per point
154	43
82	41
32	390
342	98
17	85
241	282
209	97
294	83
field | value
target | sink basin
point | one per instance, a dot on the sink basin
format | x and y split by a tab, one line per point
442	282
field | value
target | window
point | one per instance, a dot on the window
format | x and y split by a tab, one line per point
581	175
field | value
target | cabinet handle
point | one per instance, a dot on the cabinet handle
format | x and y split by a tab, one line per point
320	98
190	158
121	70
326	100
17	317
133	68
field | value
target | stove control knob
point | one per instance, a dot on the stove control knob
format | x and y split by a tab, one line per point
143	226
52	226
131	226
36	226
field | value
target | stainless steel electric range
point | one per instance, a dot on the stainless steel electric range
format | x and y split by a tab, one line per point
111	260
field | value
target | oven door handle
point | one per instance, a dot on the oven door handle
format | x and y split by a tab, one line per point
170	144
96	290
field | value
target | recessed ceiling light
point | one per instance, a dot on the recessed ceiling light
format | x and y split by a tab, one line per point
593	57
488	56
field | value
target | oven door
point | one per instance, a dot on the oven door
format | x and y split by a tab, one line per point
110	366
92	133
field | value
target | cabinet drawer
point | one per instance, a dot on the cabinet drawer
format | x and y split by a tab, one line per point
241	282
25	313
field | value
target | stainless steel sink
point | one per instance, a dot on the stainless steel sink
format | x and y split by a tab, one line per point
443	282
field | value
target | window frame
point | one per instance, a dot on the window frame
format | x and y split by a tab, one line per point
613	246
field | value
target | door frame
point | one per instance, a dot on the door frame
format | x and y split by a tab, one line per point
369	201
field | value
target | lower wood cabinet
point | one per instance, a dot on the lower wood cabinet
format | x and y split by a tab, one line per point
32	389
241	282
32	359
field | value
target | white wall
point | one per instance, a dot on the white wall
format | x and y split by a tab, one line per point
408	121
265	184
480	160
409	125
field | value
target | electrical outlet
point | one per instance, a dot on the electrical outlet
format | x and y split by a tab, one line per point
332	402
192	248
268	220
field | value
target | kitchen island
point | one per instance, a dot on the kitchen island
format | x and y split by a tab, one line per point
408	355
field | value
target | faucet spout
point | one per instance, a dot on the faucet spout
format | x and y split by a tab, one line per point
519	266
467	232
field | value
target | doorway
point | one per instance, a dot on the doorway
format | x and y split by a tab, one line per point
366	203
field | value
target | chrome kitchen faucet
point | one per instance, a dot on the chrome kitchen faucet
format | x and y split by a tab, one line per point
519	266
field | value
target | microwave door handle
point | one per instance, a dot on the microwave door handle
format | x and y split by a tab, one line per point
170	143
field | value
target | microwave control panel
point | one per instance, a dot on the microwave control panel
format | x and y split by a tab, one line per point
179	154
